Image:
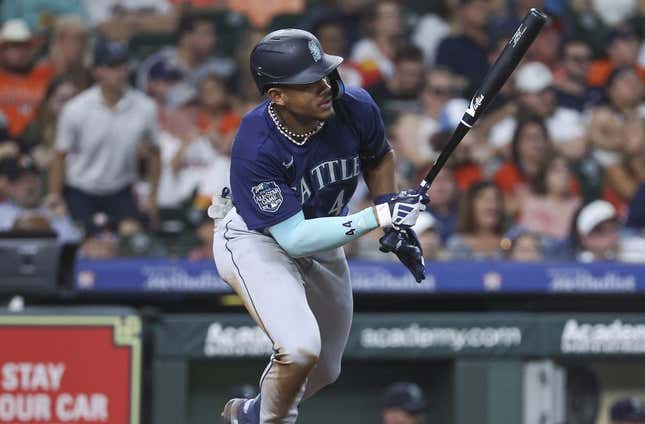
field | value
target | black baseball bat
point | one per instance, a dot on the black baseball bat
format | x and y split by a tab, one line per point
493	81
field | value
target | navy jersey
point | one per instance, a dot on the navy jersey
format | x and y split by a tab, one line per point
272	178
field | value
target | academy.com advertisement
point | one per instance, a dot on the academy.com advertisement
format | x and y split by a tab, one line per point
55	374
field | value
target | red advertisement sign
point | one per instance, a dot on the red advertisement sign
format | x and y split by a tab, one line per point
69	369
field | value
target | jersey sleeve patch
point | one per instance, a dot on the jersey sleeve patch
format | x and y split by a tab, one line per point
268	196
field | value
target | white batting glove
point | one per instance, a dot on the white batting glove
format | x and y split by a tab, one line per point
402	210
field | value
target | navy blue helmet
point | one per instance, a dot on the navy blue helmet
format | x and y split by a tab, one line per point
293	56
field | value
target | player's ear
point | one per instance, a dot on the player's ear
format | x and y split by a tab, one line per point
276	95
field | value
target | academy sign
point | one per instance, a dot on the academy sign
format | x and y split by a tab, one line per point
611	337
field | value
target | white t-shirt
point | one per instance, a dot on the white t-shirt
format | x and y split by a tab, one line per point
177	186
563	126
429	32
101	142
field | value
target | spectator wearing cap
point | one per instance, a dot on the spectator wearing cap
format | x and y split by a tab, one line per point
403	403
622	51
627	410
100	135
161	79
465	52
570	81
22	81
399	93
595	232
533	82
24	209
193	55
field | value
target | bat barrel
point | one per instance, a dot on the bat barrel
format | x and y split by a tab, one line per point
507	61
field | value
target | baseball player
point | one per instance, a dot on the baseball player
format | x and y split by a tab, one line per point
295	164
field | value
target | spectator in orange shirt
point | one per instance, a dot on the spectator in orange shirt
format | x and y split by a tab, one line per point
22	84
216	118
529	150
622	51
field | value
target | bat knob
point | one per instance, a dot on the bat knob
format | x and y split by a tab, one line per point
539	14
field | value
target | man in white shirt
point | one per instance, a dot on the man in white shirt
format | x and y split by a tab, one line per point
101	134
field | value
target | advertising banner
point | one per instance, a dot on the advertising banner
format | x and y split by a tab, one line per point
70	369
419	335
372	336
374	277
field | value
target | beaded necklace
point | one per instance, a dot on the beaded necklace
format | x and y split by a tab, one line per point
297	139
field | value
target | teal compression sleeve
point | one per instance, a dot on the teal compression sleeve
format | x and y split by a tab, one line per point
302	237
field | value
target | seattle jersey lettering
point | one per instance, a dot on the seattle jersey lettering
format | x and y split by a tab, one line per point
327	173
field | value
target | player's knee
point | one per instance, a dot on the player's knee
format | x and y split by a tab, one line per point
305	358
302	354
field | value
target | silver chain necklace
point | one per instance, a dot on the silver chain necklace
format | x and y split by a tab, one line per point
297	139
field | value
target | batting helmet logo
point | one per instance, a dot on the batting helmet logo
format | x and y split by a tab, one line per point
315	50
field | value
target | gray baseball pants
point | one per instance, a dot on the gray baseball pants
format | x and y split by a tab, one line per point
304	305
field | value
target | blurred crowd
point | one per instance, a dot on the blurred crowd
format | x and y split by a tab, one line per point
117	119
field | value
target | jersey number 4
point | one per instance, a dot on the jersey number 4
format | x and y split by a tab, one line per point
338	205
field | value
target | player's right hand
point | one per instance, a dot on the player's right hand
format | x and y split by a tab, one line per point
402	210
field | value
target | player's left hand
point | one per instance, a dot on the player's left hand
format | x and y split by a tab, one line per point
405	245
